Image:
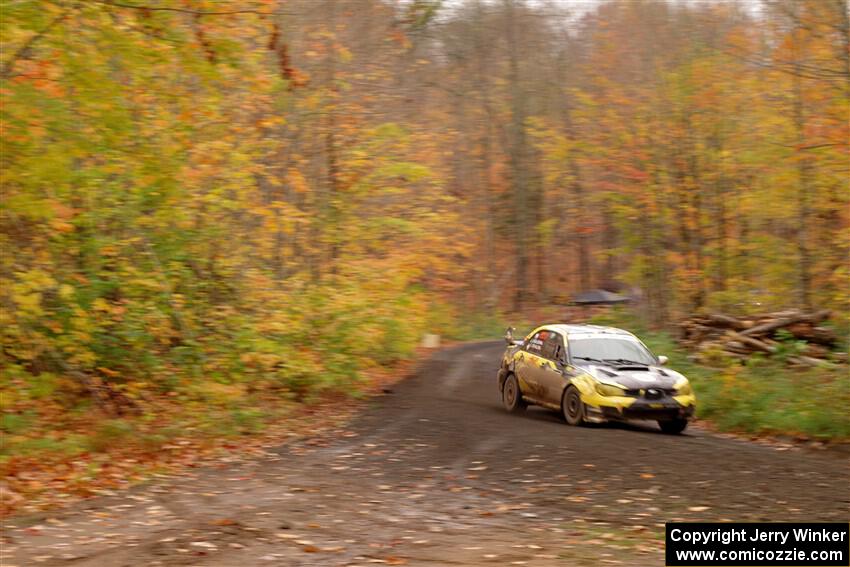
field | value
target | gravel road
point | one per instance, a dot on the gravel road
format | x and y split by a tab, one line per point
437	473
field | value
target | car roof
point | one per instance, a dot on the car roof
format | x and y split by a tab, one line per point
573	330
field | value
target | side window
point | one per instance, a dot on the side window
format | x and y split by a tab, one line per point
535	343
553	347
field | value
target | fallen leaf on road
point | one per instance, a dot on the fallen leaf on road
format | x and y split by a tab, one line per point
204	544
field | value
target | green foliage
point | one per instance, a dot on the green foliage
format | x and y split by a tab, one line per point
16	422
246	421
788	347
110	434
766	396
43	446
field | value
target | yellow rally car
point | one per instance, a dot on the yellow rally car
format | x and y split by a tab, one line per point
593	374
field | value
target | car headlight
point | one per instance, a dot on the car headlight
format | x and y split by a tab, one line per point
608	390
684	389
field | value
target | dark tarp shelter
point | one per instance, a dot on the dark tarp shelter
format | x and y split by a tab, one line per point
599	297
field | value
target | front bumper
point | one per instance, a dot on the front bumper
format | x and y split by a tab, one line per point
656	412
619	408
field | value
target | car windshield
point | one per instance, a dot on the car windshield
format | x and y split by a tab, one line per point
609	349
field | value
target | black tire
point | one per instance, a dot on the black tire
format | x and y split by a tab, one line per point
572	408
673	426
512	396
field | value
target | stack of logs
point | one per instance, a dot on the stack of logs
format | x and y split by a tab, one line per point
741	337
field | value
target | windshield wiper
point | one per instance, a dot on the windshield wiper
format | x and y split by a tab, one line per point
622	361
589	359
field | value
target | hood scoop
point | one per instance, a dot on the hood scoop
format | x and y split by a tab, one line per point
633	367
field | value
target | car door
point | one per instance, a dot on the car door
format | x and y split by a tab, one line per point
528	364
550	375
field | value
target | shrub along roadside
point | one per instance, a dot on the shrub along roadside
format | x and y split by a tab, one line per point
226	374
139	392
763	396
44	465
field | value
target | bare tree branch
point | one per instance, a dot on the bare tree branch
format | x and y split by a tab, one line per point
24	51
184	10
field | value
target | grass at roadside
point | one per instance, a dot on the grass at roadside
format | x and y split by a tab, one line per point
763	396
50	461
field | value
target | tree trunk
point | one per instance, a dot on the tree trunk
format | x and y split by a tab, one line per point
804	172
584	268
331	142
519	175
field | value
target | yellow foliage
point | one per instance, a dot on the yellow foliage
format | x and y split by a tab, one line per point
297	181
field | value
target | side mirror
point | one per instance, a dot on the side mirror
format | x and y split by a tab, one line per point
662	360
509	335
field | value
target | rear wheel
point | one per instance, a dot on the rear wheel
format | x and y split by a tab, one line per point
572	407
511	395
673	426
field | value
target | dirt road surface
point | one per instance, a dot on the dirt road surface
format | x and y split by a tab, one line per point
437	473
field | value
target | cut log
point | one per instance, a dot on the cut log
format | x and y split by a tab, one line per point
727	321
809	333
743	337
783	314
737	348
816	351
766	328
754	343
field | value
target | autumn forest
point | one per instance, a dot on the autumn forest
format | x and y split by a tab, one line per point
206	200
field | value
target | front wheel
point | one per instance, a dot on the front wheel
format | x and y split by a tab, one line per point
572	407
511	395
673	426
